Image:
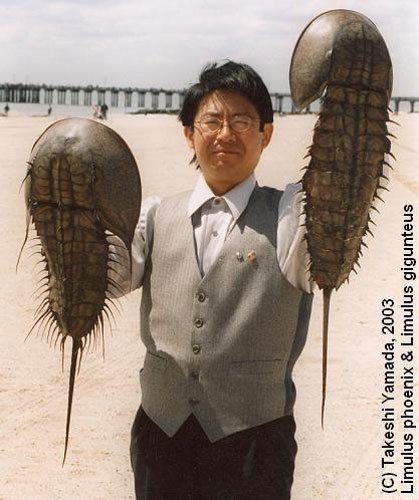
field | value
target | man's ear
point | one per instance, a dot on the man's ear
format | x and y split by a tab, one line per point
268	129
188	133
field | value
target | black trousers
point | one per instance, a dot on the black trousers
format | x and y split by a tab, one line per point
255	464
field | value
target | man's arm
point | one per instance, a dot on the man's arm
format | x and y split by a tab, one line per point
126	277
292	253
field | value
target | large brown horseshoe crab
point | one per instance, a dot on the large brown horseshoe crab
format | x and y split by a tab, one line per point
82	185
342	55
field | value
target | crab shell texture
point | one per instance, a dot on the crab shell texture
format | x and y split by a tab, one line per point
82	185
342	56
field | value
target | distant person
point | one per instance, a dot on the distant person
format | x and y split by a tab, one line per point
95	110
49	111
104	111
6	110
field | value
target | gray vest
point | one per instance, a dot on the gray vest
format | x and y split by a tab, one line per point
220	346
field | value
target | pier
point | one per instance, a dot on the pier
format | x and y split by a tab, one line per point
134	99
396	101
130	99
147	99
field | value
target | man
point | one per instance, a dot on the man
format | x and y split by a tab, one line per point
224	312
104	111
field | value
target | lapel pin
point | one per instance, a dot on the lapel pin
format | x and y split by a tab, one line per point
252	256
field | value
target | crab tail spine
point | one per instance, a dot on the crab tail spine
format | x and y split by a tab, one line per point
76	348
327	292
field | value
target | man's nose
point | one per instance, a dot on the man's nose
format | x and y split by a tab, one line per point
226	132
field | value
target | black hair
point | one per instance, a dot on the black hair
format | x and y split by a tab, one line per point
232	76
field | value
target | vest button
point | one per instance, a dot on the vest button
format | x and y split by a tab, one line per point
196	348
195	375
198	322
201	296
194	401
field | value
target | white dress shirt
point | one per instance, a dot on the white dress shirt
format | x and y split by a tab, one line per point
213	218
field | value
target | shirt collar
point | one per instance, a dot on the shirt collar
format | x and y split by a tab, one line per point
236	199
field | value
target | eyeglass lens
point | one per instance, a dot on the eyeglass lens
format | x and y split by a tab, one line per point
238	124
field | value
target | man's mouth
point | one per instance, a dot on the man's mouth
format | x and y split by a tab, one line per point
225	151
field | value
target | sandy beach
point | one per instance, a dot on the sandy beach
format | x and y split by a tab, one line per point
341	462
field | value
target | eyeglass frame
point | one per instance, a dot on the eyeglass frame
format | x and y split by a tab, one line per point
224	122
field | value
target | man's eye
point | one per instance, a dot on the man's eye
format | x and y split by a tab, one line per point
212	124
241	124
242	120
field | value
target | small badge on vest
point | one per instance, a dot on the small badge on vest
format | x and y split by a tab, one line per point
251	256
239	256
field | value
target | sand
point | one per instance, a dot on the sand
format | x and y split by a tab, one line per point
341	462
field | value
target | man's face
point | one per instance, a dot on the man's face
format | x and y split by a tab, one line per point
227	156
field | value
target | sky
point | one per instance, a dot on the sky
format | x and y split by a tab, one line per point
165	43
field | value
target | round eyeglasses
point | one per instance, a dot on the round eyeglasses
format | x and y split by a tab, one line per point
239	124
